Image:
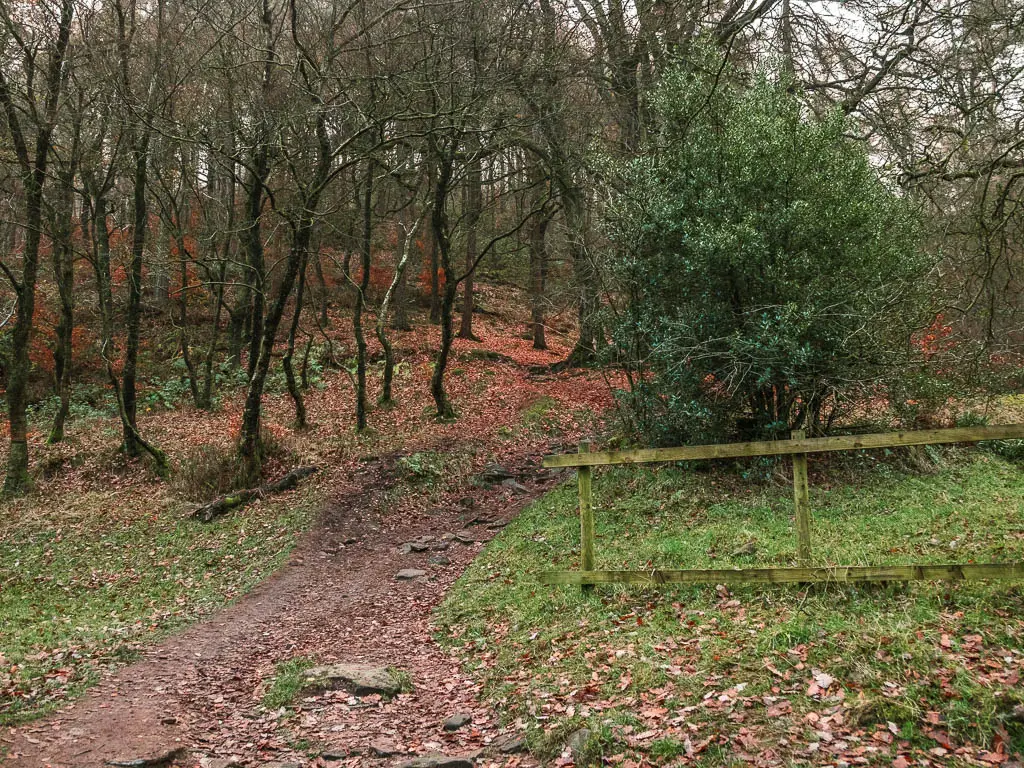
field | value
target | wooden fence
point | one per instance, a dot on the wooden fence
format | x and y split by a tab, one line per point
798	447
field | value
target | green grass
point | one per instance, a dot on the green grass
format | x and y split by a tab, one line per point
91	589
622	661
423	467
289	677
427	473
403	680
537	415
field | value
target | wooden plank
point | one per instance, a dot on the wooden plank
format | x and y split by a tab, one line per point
801	504
586	516
789	447
844	573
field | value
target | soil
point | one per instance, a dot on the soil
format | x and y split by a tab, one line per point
337	600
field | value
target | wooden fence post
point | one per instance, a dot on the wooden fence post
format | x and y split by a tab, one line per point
586	518
798	446
802	503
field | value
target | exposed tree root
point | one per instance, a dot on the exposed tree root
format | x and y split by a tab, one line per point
212	510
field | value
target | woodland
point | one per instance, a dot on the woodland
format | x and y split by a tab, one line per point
295	295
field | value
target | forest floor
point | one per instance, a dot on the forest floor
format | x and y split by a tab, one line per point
101	562
130	631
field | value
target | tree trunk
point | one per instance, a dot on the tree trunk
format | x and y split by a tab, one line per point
105	300
474	203
538	279
440	227
250	448
407	244
17	479
205	401
132	446
253	238
437	390
304	374
33	171
365	253
161	267
585	277
239	321
435	288
64	276
325	320
399	300
289	372
183	341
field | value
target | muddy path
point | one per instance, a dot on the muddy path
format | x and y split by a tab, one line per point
336	600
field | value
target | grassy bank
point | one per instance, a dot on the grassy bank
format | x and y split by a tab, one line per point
862	675
87	584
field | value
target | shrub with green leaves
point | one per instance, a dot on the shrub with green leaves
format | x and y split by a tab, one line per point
768	273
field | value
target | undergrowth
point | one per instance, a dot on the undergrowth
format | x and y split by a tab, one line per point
210	470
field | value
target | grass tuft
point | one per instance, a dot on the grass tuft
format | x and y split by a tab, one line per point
402	679
538	414
289	678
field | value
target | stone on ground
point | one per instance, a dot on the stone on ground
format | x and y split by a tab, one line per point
382	748
161	760
419	544
408	574
358	679
495	473
455	722
515	486
437	761
509	744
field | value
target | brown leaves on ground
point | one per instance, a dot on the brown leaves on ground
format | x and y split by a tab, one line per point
337	600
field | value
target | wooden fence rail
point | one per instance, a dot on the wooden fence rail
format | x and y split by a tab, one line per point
798	447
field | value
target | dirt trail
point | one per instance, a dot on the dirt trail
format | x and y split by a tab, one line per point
333	601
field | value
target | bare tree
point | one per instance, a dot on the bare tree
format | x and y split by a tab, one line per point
40	45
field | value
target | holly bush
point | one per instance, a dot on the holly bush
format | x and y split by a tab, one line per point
768	276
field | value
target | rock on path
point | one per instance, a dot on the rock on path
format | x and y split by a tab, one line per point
438	761
357	679
408	574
